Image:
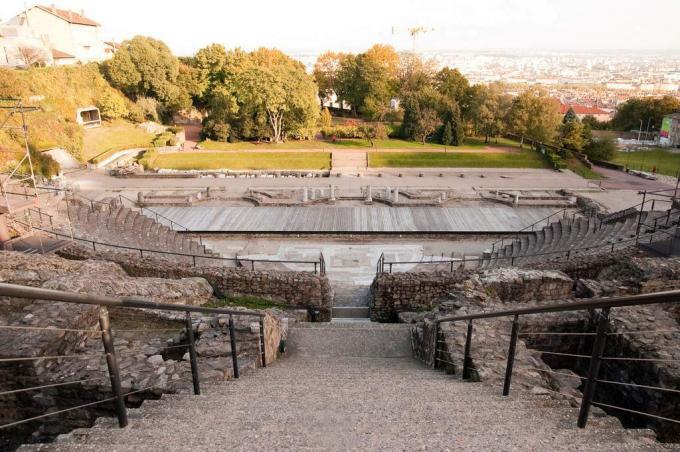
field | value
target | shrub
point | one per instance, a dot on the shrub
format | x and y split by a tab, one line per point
325	118
162	139
112	106
380	132
148	159
149	108
218	131
345	131
602	149
135	114
44	165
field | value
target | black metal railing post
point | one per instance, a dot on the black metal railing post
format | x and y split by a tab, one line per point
594	367
232	339
511	355
467	360
112	364
262	349
195	377
435	348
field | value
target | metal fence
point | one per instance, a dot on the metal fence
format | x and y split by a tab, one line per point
600	308
107	333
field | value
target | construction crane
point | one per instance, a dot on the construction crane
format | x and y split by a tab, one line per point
414	32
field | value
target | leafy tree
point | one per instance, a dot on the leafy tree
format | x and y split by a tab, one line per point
112	105
535	115
325	119
145	66
32	56
601	149
570	116
646	110
415	74
573	135
591	122
452	84
455	120
487	110
368	81
426	124
261	94
447	134
326	73
367	133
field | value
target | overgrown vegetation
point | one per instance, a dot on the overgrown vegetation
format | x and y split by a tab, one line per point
59	91
244	301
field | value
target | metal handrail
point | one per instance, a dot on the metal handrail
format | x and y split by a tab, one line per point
670	296
156	214
569	253
104	302
532	226
599	306
18	291
194	257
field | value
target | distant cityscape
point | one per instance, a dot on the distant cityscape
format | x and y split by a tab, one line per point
591	79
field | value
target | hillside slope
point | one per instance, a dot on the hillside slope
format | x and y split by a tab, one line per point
60	91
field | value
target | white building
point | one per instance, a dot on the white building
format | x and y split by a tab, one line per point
60	36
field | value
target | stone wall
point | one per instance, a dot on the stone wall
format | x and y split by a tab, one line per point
588	266
642	339
149	344
289	288
393	293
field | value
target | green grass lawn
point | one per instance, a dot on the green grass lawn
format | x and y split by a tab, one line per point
470	143
522	159
242	161
116	135
666	162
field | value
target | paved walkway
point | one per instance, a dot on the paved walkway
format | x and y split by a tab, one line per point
618	180
473	218
353	387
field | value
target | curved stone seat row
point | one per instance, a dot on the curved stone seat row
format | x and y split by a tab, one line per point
121	226
576	237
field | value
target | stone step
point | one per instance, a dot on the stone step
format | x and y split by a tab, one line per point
339	339
351	312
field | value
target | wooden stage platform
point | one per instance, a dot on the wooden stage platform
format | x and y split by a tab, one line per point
363	219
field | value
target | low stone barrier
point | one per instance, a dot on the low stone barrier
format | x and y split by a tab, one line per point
289	288
392	293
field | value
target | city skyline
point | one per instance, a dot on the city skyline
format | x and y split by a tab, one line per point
304	26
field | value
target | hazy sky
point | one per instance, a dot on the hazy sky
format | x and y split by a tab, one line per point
313	25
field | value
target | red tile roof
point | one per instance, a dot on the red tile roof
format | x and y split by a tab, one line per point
57	54
69	16
582	109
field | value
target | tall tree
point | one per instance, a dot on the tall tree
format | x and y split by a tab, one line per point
145	67
262	94
644	111
535	115
570	116
489	109
326	71
368	81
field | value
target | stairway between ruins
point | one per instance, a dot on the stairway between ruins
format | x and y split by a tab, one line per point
352	387
348	162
